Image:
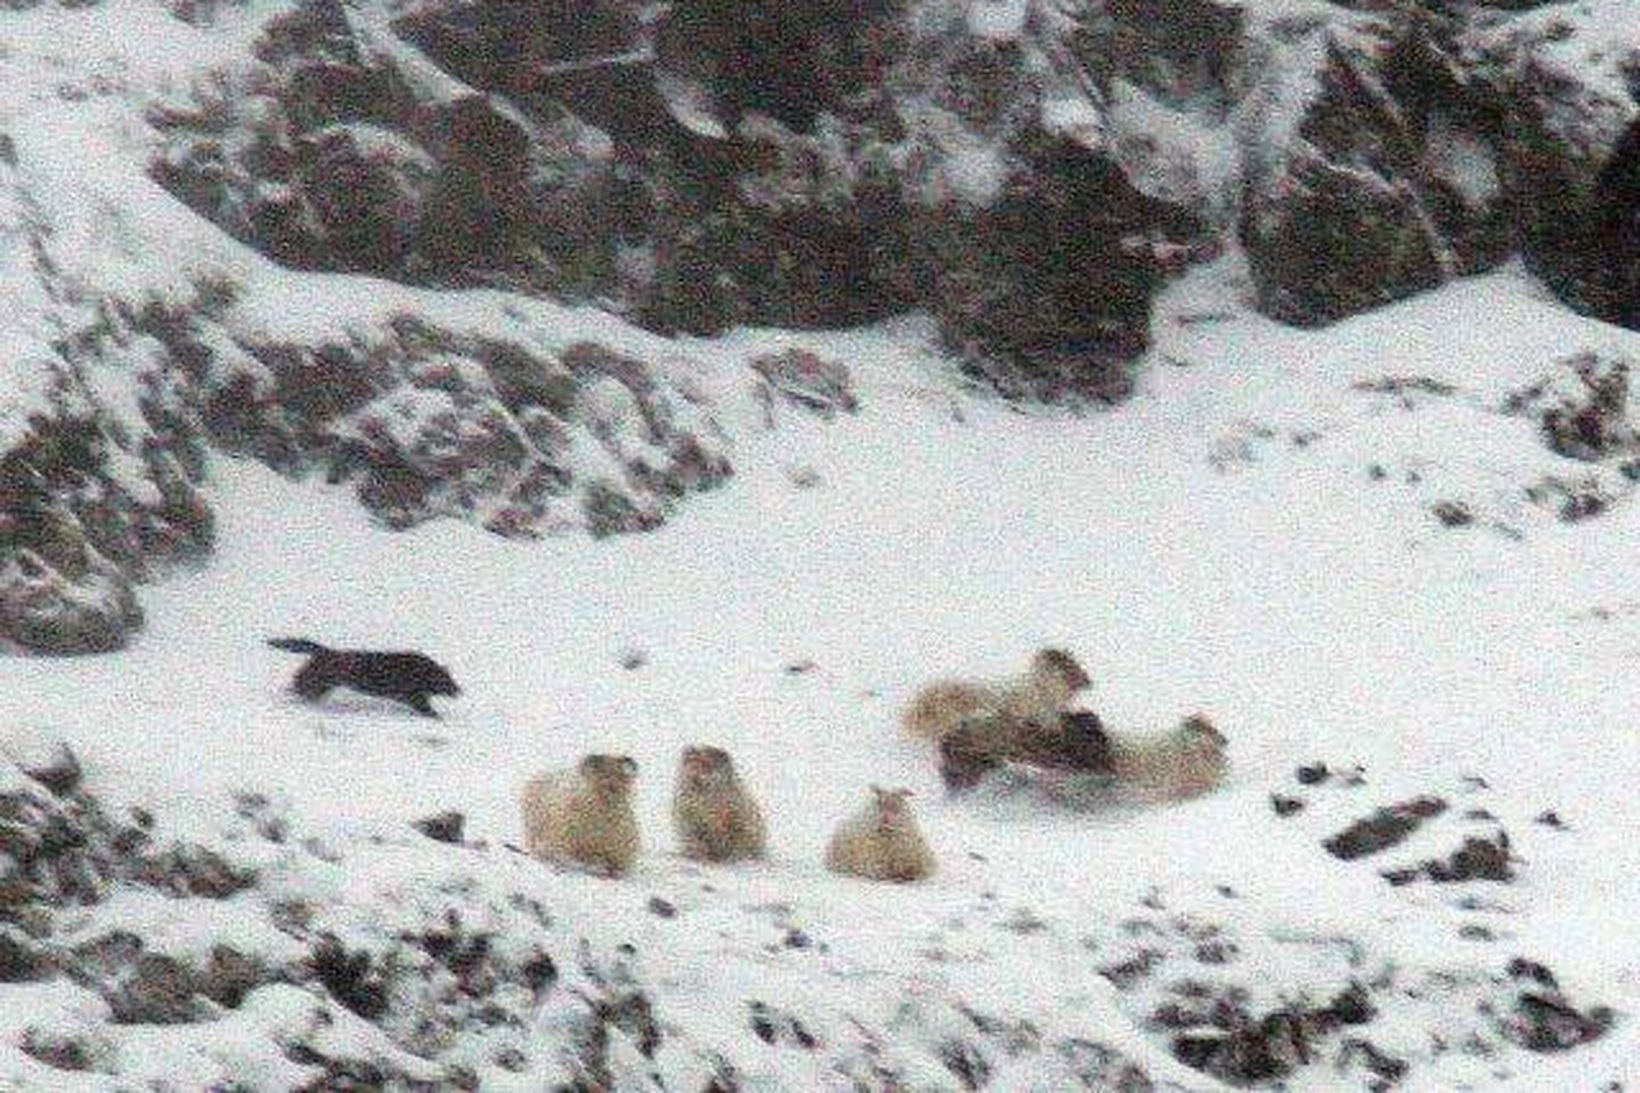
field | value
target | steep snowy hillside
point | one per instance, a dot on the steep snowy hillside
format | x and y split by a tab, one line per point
286	355
1267	545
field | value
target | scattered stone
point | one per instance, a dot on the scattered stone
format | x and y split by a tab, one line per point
774	1026
1387	1067
350	977
662	908
1285	806
1477	859
159	990
1383	829
805	379
21	958
444	827
801	667
1541	1017
55	766
1453	514
267	820
632	659
1551	818
65	1051
230	975
1311	775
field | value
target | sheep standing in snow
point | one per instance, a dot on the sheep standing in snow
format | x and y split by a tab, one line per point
714	815
584	816
1053	679
1183	762
881	841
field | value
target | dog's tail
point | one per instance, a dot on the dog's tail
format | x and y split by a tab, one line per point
297	645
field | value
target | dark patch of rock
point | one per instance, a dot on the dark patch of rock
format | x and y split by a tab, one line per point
1385	828
1453	514
807	380
352	978
444	827
1312	774
1477	859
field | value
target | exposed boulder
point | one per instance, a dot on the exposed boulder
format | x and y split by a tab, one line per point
1570	154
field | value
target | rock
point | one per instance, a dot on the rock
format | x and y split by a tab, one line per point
1453	514
352	978
230	975
1390	186
51	763
444	827
805	379
1383	829
67	1051
1542	1018
1477	859
21	958
1314	774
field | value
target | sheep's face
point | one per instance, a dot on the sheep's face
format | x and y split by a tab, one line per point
1060	665
893	807
705	766
1198	729
609	775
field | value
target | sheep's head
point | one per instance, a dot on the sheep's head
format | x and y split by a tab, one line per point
893	809
704	765
610	775
1198	729
1060	665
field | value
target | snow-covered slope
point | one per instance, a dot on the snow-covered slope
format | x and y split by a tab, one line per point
1253	535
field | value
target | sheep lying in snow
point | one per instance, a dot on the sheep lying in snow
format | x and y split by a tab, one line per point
583	816
1053	679
714	815
1183	762
881	841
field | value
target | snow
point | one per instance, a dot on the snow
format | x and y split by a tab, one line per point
1216	543
998	20
1314	613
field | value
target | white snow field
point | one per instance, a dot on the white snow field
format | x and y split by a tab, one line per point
1221	542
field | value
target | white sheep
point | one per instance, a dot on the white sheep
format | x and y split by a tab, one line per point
881	841
714	815
1054	677
583	816
1183	762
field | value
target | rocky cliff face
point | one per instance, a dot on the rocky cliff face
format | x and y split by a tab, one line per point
1026	171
